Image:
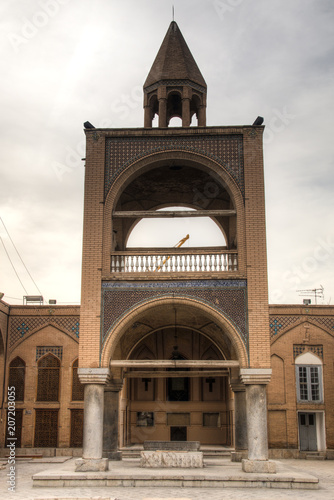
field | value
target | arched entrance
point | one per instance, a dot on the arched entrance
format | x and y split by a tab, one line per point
179	403
174	356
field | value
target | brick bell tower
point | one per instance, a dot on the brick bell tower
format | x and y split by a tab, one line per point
147	311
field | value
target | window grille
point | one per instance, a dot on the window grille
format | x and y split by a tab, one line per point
48	379
16	377
76	428
77	386
315	349
309	384
55	350
46	429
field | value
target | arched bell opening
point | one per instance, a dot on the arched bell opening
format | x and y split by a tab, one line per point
174	106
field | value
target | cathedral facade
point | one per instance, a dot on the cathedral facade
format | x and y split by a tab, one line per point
172	344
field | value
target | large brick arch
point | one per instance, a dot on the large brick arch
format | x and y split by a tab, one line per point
218	173
119	335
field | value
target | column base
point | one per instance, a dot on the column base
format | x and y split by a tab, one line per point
265	466
91	464
112	455
238	456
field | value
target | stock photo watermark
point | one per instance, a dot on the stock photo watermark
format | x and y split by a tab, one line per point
278	122
31	26
300	274
127	103
224	7
120	108
11	439
73	157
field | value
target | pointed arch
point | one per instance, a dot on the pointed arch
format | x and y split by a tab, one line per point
48	378
17	369
276	387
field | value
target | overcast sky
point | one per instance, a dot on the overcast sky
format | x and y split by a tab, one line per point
68	61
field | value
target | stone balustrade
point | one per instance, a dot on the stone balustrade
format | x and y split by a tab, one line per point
174	261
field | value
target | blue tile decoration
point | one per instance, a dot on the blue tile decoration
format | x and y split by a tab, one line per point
227	296
227	150
23	329
280	323
275	325
75	329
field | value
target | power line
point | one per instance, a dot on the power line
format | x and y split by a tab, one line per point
20	259
18	277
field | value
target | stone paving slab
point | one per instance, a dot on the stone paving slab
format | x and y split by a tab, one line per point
323	470
218	473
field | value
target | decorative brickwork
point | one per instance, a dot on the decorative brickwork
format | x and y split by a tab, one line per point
300	349
174	83
227	296
226	150
325	321
19	326
279	323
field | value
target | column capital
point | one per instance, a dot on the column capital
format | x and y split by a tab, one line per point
94	375
237	385
255	376
114	385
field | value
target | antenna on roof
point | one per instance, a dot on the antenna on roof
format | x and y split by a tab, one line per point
173	12
318	293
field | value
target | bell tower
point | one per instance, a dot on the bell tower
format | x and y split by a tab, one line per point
174	86
140	305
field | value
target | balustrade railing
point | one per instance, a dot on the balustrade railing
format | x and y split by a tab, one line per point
174	262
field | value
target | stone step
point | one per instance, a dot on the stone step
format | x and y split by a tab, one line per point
313	455
127	474
135	453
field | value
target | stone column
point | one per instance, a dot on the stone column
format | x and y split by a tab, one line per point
255	380
240	421
162	112
186	119
202	116
147	117
94	380
110	420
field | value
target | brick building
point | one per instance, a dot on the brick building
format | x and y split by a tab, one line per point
175	344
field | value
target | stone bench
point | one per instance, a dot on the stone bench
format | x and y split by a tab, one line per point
172	445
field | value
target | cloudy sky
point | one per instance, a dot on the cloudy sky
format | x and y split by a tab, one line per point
68	61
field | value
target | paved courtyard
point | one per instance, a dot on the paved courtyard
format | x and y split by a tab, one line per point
323	470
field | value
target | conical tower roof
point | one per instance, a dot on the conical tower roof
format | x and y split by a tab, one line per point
174	60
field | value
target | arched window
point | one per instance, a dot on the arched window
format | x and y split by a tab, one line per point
48	378
309	378
16	377
77	386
